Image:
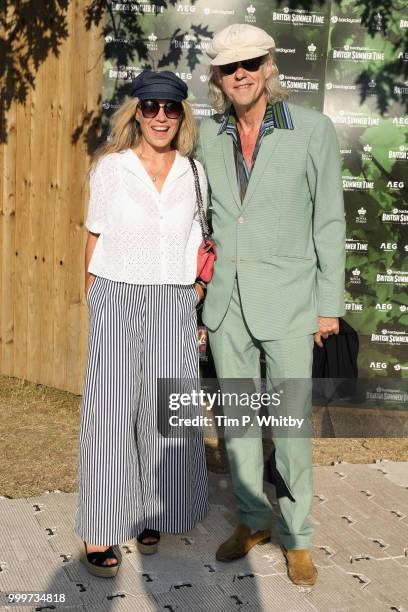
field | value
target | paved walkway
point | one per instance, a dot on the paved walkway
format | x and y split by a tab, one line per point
360	548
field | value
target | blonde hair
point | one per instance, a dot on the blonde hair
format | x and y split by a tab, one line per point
273	89
125	132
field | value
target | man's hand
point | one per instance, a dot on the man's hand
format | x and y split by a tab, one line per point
327	326
200	291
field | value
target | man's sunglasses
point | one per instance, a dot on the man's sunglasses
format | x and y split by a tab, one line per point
151	108
252	65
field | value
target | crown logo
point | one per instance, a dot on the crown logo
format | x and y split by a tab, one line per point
152	37
251	9
372	83
356	272
312	48
367	148
362	211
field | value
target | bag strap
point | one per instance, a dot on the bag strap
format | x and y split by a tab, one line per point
201	213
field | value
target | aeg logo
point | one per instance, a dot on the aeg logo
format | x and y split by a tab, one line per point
378	365
186	8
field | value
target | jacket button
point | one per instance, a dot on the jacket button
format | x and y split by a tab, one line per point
240	219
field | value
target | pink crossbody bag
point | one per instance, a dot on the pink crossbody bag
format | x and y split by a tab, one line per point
206	255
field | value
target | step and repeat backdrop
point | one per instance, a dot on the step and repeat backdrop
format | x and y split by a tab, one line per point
343	59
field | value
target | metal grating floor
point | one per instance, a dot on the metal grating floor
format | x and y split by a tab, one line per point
360	548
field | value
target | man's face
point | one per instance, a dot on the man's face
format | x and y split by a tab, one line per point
245	87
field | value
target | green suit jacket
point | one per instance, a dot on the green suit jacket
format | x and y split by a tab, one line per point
286	241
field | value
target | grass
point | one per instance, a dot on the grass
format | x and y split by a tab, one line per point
39	432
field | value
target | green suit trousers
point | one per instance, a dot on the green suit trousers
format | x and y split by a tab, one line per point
236	355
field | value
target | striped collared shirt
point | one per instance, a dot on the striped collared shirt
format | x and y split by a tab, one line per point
277	115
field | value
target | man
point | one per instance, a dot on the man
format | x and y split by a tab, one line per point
275	185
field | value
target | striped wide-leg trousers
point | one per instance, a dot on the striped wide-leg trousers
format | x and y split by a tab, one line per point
130	477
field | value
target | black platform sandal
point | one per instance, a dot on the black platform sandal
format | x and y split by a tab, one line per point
148	548
93	561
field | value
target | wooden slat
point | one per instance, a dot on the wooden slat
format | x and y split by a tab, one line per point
62	212
94	78
79	42
46	264
7	247
21	246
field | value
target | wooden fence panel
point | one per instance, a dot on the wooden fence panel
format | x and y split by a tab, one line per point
43	202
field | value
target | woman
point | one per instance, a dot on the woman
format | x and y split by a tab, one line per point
140	269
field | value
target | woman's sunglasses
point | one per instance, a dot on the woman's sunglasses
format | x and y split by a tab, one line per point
151	108
252	65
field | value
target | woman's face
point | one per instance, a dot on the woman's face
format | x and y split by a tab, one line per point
160	129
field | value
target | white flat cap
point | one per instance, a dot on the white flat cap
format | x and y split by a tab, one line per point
239	42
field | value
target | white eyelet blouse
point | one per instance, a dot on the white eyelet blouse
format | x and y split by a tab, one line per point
146	237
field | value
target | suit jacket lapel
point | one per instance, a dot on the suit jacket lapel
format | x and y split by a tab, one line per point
265	153
229	161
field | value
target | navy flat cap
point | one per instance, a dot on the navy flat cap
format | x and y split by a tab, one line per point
165	85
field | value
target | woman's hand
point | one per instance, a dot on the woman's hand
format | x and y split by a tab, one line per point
88	282
89	249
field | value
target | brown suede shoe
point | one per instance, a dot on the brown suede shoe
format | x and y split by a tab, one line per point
301	569
240	543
